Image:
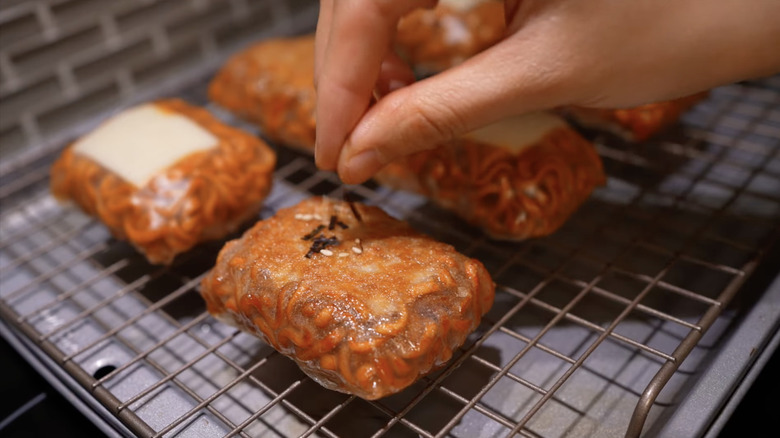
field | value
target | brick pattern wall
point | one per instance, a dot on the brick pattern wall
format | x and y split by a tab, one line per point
65	62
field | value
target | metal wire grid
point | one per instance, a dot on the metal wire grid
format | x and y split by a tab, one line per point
589	324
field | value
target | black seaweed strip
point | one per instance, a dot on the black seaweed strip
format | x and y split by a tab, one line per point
313	233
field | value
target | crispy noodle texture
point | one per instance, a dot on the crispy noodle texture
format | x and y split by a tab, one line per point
432	40
367	323
271	84
510	195
638	123
203	196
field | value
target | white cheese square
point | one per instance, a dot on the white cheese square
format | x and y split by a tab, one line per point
520	132
143	141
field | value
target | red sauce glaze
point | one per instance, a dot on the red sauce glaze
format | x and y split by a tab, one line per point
433	40
510	195
203	196
368	323
271	84
638	123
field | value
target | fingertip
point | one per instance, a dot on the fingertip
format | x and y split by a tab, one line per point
322	159
358	168
320	162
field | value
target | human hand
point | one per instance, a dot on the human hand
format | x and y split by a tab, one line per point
597	53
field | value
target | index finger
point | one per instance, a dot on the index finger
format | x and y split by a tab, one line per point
361	33
321	36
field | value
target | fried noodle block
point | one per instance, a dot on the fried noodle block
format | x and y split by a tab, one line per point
364	306
634	124
519	178
204	195
271	84
433	40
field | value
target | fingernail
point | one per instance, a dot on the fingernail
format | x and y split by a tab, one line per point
395	84
318	154
366	162
385	88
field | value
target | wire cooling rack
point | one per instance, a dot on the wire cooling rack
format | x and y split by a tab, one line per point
587	336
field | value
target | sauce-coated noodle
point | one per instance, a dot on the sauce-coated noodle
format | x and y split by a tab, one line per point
203	196
510	195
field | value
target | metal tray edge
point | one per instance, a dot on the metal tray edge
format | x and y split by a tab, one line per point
65	384
715	394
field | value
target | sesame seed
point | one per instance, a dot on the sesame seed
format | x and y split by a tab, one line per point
357	250
357	241
343	254
316	216
326	252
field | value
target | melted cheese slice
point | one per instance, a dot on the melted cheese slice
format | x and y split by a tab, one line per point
518	133
143	141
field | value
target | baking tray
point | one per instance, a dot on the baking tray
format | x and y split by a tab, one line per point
602	329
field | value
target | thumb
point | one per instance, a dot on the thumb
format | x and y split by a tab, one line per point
493	85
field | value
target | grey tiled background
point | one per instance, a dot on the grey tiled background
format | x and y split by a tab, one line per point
66	62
